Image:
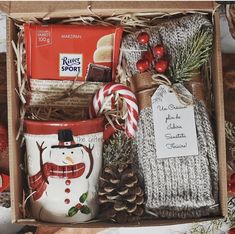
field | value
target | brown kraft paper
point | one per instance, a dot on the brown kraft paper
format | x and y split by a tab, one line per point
144	87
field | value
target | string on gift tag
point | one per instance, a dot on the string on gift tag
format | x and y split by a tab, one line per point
160	79
183	99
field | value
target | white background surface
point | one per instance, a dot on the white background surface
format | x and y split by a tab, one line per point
228	46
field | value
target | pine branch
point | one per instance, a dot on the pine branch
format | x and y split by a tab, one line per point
196	52
118	149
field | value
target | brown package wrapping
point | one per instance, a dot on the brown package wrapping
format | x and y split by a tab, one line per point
143	86
197	88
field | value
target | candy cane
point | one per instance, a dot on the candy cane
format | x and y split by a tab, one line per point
106	101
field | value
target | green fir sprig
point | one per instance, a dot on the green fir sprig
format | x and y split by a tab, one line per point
192	56
118	149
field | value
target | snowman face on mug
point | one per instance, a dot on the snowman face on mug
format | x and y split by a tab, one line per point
66	156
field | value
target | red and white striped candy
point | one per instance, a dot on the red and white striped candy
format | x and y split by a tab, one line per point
110	91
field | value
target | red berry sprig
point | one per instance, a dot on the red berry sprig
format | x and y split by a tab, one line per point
148	55
153	57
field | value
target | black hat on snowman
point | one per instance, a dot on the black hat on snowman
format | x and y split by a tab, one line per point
65	137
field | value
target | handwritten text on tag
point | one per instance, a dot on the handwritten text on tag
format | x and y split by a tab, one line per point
174	125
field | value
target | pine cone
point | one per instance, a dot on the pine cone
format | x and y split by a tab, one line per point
120	195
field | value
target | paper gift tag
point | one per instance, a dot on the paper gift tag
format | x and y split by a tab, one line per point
174	124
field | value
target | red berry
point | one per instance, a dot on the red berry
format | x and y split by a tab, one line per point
143	38
159	50
3	138
232	187
148	55
161	65
229	187
142	65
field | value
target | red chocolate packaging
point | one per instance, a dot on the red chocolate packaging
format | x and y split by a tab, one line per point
63	52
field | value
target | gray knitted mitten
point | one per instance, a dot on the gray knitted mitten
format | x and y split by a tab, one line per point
173	34
182	187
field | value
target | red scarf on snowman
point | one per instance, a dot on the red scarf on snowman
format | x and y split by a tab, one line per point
38	182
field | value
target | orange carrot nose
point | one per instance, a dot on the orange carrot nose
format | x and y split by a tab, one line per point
69	159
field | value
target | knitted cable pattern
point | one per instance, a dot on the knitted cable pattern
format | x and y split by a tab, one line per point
181	187
173	34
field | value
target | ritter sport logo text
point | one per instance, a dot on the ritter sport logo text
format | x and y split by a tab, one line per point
71	65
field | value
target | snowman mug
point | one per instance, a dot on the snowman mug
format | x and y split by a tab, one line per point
64	161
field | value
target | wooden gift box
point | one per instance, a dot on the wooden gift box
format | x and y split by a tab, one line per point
29	10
